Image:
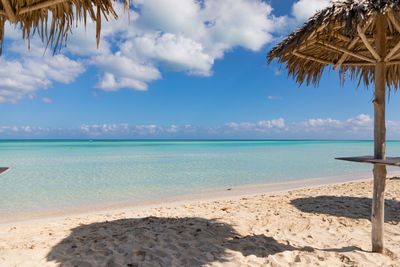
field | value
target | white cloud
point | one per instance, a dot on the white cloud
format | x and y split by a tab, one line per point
4	129
47	100
172	129
110	83
121	71
170	15
148	129
33	71
278	123
323	123
358	127
202	33
104	129
362	120
175	52
133	48
239	23
304	9
274	97
262	126
25	129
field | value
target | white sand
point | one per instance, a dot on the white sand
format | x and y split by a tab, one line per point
320	226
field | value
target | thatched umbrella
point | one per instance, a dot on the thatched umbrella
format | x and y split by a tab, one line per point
52	20
361	38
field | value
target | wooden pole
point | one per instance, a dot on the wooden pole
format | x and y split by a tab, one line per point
377	216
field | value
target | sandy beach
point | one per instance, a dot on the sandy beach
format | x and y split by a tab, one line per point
325	225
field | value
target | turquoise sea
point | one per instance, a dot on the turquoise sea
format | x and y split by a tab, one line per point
49	176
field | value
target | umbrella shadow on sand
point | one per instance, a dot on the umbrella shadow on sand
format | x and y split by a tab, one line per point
345	206
159	241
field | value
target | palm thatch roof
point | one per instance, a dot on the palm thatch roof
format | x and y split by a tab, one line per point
52	20
341	36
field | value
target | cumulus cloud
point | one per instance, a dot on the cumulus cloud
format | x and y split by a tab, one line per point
135	47
25	74
122	71
174	52
303	9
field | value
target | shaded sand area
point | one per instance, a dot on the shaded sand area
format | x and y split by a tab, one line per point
320	226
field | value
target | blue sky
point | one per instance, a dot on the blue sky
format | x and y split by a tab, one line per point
201	74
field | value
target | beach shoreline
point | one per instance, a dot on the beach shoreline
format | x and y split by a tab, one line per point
206	195
318	225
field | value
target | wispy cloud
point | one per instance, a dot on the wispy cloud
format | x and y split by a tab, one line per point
358	127
47	100
274	97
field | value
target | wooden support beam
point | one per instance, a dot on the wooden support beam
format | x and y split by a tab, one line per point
40	6
346	51
348	39
343	38
396	24
322	61
378	208
9	11
364	64
351	45
394	57
389	25
367	44
393	62
303	46
372	39
378	202
358	63
312	35
344	56
380	86
369	37
389	56
306	44
309	41
393	20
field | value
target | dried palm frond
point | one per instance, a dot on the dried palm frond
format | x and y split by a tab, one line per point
52	20
342	36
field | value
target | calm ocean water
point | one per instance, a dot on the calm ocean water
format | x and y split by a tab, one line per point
71	175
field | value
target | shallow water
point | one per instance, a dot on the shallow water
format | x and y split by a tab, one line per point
71	175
